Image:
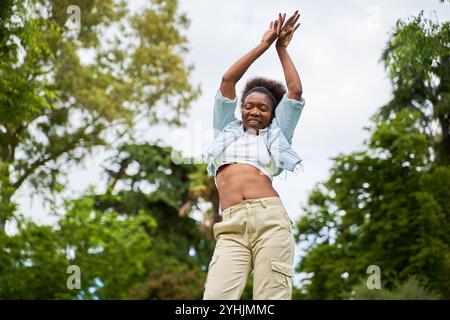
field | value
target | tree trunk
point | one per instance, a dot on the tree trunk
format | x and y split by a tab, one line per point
444	145
7	207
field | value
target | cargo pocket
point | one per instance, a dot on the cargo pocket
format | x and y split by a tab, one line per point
282	273
211	264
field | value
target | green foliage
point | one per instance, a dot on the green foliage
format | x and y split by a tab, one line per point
143	178
65	91
247	293
109	249
171	283
411	289
144	167
129	242
387	205
418	59
33	264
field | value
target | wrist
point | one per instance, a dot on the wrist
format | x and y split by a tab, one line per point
265	44
280	47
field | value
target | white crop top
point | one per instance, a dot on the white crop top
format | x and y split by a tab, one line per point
249	149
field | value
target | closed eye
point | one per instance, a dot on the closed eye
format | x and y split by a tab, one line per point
261	107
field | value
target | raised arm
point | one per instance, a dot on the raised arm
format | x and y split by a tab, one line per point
237	70
291	105
293	83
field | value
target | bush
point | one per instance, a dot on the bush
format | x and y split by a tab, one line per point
412	289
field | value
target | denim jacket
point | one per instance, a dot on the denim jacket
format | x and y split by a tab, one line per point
277	136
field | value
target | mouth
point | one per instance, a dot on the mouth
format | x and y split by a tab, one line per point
253	120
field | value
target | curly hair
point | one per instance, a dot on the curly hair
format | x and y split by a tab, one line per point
275	87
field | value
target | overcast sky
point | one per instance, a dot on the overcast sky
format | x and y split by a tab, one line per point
336	51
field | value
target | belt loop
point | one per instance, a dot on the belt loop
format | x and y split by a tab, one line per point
263	203
248	207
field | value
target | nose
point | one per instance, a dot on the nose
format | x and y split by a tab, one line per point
255	114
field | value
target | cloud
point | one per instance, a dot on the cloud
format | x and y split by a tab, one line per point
336	51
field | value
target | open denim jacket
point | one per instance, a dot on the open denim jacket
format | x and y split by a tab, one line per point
277	136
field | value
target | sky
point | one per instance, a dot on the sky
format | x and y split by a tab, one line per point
336	51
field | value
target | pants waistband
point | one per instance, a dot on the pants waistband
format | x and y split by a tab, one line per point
264	202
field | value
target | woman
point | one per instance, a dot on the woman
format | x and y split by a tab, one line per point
255	232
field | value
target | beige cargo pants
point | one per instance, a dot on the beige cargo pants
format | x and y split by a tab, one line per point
253	235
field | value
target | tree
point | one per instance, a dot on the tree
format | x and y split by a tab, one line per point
171	283
387	205
110	249
417	57
145	177
64	91
32	265
411	289
129	242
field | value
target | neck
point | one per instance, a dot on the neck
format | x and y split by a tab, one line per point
252	130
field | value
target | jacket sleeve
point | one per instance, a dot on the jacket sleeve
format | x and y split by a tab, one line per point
224	109
287	114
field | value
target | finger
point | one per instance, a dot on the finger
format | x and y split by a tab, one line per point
296	27
289	21
271	24
283	18
279	24
291	18
275	25
295	19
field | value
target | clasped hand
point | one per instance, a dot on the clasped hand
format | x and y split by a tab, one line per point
282	33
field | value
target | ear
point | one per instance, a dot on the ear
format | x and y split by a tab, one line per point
273	113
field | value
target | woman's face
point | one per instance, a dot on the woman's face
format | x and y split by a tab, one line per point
256	111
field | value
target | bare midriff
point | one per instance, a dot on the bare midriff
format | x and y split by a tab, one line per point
237	182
